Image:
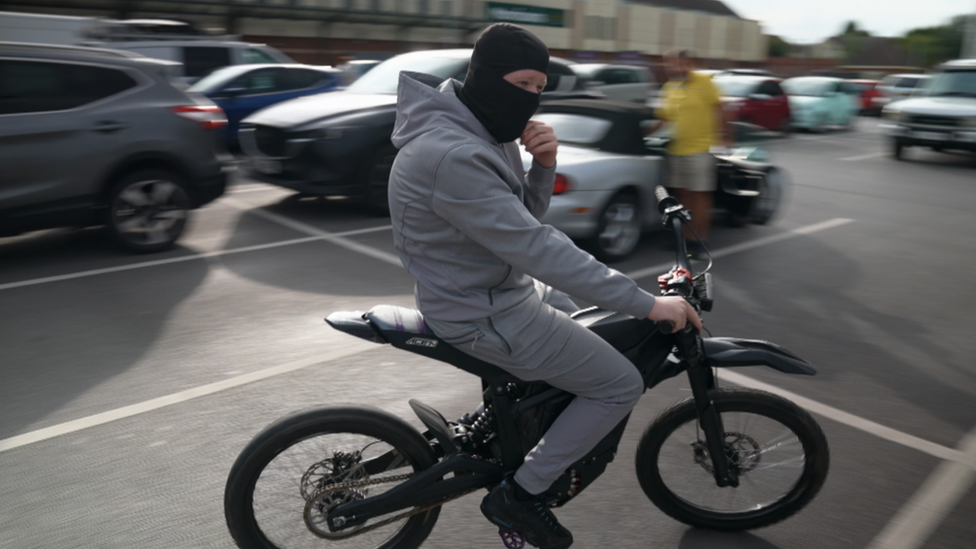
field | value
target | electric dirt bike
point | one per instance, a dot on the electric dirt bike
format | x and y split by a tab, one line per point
355	476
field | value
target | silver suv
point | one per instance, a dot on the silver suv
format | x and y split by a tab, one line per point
943	117
198	58
91	137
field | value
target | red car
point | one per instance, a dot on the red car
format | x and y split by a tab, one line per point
868	90
756	100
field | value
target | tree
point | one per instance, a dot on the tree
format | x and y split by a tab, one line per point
928	46
778	47
851	29
853	38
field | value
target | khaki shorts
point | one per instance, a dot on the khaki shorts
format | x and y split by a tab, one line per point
694	172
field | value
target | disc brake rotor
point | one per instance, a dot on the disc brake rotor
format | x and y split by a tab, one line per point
742	452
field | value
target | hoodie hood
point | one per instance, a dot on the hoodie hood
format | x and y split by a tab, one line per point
426	102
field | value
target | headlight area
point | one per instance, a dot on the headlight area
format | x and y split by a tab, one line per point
893	122
893	116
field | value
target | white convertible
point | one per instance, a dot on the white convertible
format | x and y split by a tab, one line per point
607	171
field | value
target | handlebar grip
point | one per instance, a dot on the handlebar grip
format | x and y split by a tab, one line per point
661	193
664	200
665	326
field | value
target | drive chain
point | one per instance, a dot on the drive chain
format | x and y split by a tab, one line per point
364	484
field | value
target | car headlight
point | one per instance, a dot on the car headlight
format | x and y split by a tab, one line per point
892	115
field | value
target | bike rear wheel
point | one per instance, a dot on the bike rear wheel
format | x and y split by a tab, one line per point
777	448
278	496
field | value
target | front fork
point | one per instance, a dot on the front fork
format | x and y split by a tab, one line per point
702	381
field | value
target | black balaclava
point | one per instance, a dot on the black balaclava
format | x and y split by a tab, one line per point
501	106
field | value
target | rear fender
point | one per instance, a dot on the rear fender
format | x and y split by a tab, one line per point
355	323
729	352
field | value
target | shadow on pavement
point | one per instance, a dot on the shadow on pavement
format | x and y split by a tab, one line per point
320	267
849	317
695	538
62	340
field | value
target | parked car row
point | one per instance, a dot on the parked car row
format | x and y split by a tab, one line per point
811	103
96	136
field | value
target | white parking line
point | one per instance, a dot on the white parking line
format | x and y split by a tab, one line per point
392	259
863	156
752	244
937	450
352	348
202	255
237	189
919	517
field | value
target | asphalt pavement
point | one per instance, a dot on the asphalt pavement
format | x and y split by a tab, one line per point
128	384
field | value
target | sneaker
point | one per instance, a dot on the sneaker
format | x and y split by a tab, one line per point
532	518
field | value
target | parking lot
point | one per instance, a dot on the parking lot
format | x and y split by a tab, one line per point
130	383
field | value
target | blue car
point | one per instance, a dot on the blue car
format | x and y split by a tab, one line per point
817	102
244	89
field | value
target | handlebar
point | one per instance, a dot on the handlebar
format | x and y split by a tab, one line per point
674	214
665	326
681	280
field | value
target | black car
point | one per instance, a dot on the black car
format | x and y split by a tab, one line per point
338	144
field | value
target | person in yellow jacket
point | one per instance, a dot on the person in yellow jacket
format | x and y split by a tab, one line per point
692	105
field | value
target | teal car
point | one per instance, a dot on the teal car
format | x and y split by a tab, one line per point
819	102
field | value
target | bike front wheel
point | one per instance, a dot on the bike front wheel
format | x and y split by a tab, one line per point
777	449
284	483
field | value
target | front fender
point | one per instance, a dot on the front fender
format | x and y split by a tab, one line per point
726	352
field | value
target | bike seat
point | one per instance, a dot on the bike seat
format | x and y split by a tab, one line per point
405	329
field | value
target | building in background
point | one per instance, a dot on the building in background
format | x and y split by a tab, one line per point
326	31
969	38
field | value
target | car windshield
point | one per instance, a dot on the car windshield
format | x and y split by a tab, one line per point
218	78
805	87
735	87
953	84
576	129
385	77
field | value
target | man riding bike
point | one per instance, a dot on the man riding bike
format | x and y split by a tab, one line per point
491	279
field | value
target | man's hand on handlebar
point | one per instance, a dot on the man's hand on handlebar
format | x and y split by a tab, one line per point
675	309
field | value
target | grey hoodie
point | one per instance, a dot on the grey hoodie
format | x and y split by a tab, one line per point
466	216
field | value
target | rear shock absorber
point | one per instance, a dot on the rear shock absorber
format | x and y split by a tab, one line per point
483	426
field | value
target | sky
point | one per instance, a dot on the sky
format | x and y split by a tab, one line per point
807	21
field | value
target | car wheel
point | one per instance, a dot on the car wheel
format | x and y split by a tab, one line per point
148	210
896	149
821	124
618	229
786	126
765	206
377	180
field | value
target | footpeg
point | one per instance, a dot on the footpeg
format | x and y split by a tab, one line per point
512	540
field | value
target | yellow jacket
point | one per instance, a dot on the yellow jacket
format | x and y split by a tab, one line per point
692	106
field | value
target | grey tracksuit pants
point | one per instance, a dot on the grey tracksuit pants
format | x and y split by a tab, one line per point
537	341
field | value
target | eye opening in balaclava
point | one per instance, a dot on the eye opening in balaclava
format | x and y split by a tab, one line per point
502	107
